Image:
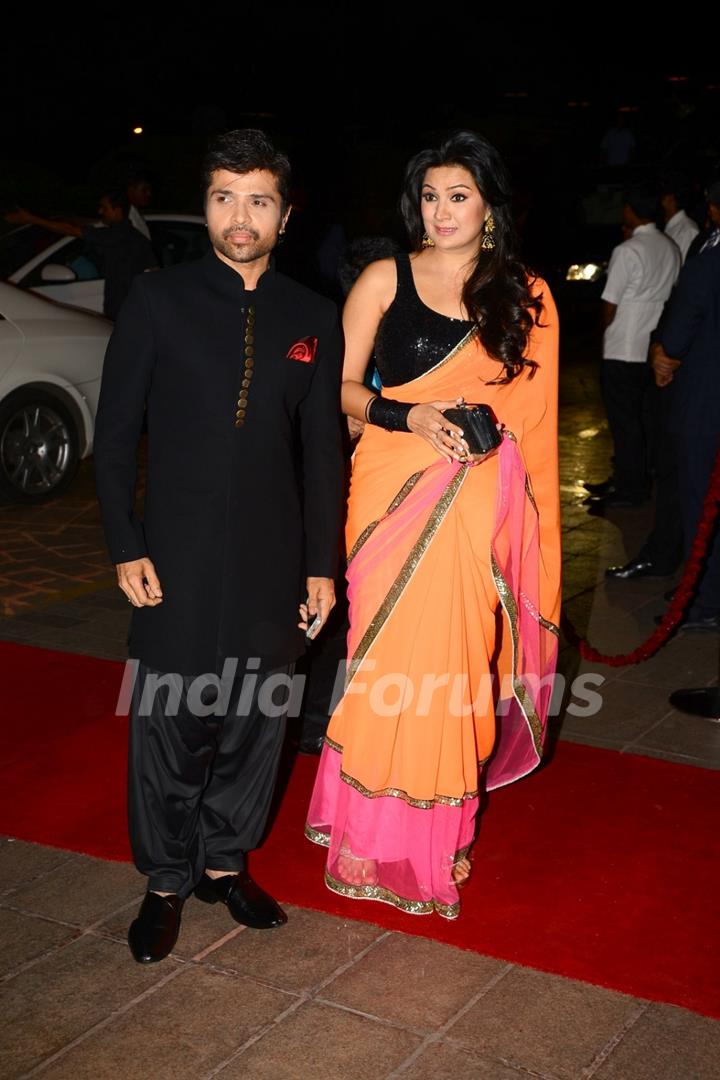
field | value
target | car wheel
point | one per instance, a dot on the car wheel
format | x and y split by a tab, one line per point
38	446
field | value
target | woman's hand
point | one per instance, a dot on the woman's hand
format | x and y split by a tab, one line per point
355	427
475	459
428	421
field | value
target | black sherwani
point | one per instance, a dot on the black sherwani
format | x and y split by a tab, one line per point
243	502
235	516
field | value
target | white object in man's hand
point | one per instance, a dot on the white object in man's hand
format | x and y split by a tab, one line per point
320	602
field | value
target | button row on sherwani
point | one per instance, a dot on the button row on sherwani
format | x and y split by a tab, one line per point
249	365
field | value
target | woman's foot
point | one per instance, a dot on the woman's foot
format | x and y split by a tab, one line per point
354	871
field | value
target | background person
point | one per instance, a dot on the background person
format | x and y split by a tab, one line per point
675	196
641	274
123	251
139	192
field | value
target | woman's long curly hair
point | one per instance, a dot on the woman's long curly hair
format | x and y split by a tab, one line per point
497	294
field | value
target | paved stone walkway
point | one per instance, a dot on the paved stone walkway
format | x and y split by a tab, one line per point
326	997
322	998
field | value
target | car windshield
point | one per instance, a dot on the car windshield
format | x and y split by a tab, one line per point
20	245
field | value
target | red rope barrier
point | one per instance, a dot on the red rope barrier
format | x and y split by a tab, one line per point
682	594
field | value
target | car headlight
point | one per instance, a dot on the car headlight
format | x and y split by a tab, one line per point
585	271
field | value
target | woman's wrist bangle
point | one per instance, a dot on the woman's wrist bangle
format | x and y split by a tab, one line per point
368	403
388	414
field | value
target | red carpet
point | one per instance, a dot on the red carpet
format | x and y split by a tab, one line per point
601	866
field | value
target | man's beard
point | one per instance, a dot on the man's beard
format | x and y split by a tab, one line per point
247	252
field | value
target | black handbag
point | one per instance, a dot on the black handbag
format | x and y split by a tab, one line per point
479	426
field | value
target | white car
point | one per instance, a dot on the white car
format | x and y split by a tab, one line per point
51	360
66	268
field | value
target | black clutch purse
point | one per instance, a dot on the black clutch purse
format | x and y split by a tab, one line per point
478	423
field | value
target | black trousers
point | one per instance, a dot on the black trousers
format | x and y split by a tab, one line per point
664	545
698	447
325	657
624	387
200	786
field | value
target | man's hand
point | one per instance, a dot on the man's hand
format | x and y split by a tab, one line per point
320	601
664	366
139	582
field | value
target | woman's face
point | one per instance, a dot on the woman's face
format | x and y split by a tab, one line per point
453	210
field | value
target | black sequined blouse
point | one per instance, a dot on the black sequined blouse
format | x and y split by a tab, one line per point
412	338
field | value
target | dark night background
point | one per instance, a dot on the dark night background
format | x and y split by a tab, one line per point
350	94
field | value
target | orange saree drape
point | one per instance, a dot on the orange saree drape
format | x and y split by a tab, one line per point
454	589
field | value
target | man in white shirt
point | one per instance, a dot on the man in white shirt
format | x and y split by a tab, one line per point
674	196
641	274
139	193
711	236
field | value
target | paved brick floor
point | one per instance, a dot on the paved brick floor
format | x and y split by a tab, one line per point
325	997
322	998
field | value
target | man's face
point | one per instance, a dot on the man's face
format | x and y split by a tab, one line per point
140	193
244	214
669	205
109	214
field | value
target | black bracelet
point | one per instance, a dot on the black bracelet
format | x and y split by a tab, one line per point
389	414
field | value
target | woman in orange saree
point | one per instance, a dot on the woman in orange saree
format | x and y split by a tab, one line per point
453	567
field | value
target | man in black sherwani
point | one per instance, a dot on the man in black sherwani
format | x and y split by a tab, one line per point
238	367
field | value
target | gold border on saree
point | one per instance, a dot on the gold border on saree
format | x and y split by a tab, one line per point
387	896
321	838
545	623
524	700
398	793
399	498
411	481
406	572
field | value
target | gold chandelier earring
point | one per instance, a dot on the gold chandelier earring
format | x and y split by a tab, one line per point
488	240
427	241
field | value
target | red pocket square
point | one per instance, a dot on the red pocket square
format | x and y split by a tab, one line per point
303	350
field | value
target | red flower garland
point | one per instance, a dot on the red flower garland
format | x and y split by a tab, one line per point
681	597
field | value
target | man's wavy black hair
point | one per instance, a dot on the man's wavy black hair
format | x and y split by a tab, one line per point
245	150
497	294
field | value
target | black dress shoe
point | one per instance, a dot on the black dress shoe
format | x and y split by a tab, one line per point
616	501
153	934
246	901
312	744
701	702
605	487
636	568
